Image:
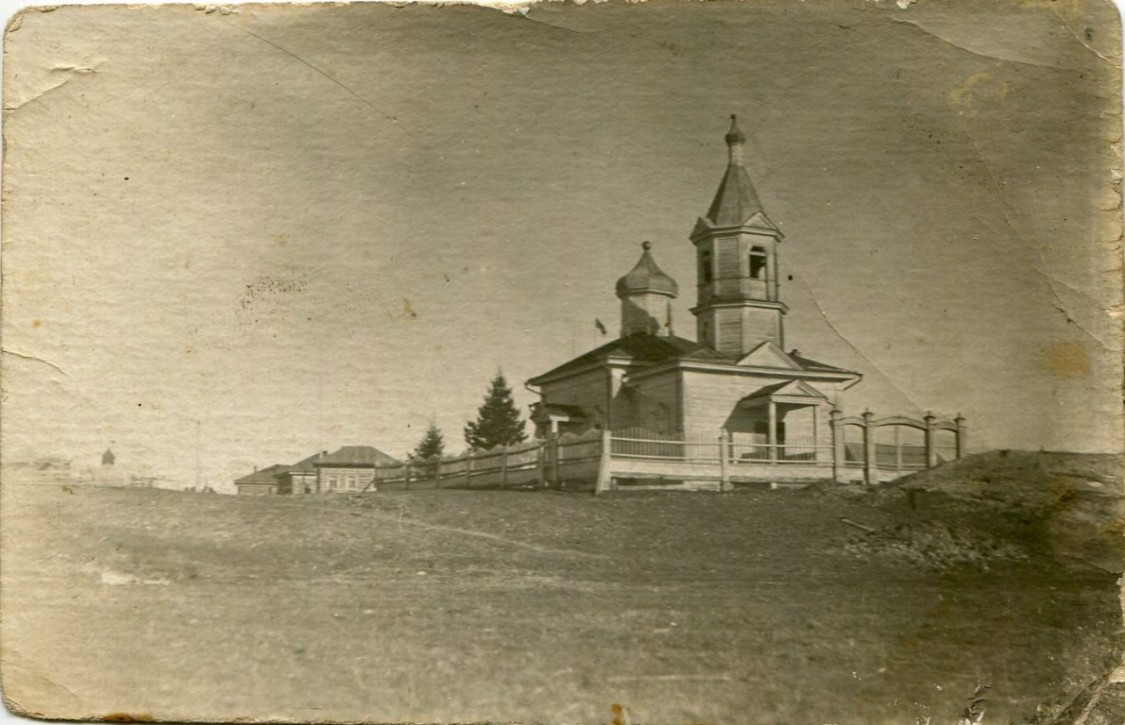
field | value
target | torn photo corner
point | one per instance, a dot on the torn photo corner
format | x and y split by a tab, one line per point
662	362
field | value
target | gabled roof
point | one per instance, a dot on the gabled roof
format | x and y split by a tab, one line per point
303	466
265	475
768	355
641	347
356	456
786	388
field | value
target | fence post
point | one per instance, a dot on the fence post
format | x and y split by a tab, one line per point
469	468
931	440
504	467
838	454
555	461
870	475
604	482
771	438
898	450
961	435
437	472
407	476
724	475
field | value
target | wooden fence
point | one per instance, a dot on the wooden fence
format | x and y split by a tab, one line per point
861	449
568	459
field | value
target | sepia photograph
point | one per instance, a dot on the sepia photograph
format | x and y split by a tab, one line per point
636	363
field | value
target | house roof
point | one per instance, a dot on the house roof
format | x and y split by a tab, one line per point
641	347
356	456
264	475
305	465
646	276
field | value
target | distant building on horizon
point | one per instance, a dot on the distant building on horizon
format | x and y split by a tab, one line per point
349	469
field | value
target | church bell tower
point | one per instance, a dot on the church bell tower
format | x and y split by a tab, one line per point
736	244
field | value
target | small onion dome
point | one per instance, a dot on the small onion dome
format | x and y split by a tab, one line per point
647	277
734	135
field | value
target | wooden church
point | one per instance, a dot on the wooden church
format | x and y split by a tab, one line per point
736	377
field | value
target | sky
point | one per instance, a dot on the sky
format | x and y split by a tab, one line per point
243	235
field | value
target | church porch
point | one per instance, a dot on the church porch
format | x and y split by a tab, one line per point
780	424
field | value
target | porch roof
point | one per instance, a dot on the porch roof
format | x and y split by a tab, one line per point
546	411
792	392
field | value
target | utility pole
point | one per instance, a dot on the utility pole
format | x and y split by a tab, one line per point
198	470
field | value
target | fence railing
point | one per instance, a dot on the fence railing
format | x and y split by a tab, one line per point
553	460
855	445
601	456
913	445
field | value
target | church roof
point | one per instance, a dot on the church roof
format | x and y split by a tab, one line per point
642	348
814	365
652	349
785	387
646	276
736	201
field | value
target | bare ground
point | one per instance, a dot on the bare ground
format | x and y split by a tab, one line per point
443	606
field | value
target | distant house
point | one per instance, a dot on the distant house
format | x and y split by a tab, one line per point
298	479
259	483
349	469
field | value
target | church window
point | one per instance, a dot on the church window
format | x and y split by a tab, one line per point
757	263
705	271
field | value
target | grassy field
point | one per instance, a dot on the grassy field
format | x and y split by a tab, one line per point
443	606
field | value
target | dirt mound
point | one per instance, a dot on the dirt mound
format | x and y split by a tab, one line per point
1001	504
1028	477
934	545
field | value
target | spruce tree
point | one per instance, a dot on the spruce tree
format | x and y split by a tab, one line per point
432	444
498	421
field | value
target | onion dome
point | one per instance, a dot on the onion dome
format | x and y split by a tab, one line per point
647	277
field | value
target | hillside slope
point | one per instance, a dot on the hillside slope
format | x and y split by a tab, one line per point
1066	505
441	606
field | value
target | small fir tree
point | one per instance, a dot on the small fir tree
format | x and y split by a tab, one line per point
432	444
498	421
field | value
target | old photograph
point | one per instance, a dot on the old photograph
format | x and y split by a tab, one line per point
635	363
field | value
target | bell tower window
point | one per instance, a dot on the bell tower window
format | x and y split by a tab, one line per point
706	273
758	263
